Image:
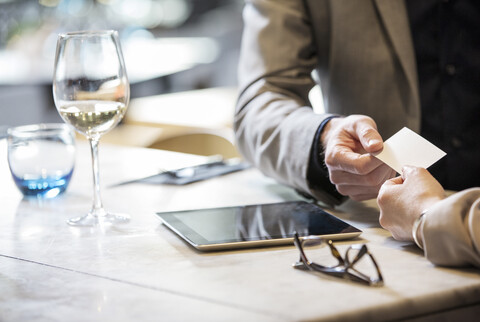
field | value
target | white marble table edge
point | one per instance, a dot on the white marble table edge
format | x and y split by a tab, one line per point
190	296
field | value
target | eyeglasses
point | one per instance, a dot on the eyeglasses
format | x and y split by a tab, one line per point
344	267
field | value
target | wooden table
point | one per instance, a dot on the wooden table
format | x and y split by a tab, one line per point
143	272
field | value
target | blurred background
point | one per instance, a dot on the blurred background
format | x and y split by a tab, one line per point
181	58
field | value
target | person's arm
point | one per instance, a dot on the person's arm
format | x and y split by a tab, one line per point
274	124
449	230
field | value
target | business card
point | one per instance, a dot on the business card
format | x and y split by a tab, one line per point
408	148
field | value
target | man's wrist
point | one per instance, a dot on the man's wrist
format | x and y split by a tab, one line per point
318	149
325	129
317	172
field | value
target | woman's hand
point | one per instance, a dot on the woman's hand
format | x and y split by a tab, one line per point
403	199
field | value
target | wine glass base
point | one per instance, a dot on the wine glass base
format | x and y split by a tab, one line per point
91	220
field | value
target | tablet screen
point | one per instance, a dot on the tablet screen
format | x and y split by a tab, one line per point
255	225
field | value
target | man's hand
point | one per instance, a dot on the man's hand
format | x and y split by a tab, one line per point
403	199
348	143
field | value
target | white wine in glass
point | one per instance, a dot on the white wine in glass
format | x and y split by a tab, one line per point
91	92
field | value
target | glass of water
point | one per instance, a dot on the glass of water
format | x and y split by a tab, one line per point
41	158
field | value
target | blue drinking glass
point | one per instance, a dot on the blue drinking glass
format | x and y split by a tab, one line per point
41	158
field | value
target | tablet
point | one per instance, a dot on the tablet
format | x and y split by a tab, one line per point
255	225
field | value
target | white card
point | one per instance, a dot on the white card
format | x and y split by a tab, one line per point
408	148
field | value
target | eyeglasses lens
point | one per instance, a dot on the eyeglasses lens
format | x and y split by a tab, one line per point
362	261
318	252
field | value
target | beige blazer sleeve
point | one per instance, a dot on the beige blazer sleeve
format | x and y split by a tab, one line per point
451	230
274	122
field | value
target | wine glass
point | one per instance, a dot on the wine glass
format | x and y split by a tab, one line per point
91	92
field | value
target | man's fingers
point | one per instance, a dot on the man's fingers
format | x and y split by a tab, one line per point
358	192
367	133
374	178
346	160
407	171
394	181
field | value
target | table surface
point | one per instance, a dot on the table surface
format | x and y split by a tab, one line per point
50	271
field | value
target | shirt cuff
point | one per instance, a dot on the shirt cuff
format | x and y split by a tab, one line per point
317	173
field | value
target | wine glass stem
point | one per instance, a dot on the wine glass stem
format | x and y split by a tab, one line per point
97	208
